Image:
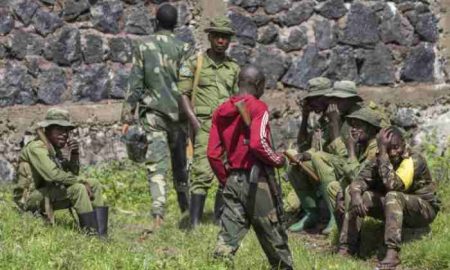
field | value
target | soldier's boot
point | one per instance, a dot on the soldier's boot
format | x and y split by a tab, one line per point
331	222
183	201
102	220
218	205
88	222
196	209
311	216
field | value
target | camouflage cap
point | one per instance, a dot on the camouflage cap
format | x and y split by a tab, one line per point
344	89
57	116
220	24
318	86
367	115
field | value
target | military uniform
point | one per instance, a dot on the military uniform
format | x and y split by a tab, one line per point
246	204
215	82
152	84
404	195
43	173
328	161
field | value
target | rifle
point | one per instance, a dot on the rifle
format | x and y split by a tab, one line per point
191	135
274	185
308	171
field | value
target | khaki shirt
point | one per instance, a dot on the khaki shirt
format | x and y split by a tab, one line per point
216	84
38	168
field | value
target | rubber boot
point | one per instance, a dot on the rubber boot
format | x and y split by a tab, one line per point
309	220
331	222
196	209
88	222
218	205
102	220
183	201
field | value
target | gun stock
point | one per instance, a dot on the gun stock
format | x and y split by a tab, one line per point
303	166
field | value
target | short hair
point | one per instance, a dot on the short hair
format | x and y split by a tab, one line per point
167	16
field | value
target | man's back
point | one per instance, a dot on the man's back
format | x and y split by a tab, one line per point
155	73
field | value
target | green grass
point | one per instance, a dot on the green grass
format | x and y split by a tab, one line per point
26	242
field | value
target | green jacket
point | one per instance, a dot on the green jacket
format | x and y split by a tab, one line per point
154	75
38	168
216	84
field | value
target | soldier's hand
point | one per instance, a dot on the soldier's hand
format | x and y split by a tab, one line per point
89	191
196	125
74	146
282	161
332	112
305	156
357	205
384	139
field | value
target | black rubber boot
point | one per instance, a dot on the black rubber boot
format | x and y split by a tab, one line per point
183	201
88	222
218	205
102	220
196	209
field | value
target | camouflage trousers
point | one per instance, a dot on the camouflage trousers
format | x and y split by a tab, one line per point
62	197
167	145
397	209
201	173
238	215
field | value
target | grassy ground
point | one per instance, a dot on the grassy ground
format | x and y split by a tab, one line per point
26	242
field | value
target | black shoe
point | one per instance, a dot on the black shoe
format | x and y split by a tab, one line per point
196	209
102	220
183	201
88	222
218	205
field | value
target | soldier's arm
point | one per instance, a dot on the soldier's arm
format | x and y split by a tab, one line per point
47	168
235	89
135	87
215	152
365	179
185	86
393	180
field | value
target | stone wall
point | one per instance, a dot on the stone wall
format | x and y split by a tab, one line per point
52	51
370	42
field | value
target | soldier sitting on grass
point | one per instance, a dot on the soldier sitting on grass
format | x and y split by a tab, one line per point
47	181
397	187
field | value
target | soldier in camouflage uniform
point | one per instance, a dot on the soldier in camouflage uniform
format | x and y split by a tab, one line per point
47	181
248	202
153	84
328	148
397	187
217	81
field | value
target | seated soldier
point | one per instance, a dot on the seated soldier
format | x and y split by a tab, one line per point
327	142
397	187
47	181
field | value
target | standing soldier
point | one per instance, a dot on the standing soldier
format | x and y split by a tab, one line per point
327	149
152	86
243	136
206	80
47	181
397	187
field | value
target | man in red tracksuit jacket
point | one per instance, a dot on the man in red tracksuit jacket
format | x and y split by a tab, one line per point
233	149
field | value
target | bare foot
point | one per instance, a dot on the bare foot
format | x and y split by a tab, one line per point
390	261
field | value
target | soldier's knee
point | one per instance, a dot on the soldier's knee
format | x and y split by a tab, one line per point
393	197
367	198
317	157
78	190
95	185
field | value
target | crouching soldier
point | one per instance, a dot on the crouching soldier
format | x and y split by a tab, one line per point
47	181
240	132
396	187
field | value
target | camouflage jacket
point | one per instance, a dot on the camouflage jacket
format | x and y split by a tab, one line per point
217	83
411	176
38	168
154	76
